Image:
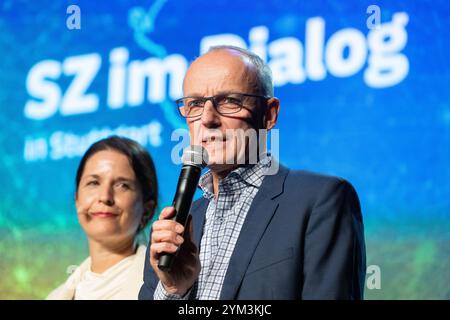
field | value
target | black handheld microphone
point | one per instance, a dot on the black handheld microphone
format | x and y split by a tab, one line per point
194	158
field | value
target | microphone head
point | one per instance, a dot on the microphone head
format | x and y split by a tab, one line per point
195	155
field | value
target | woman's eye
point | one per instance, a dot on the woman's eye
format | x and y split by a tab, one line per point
123	185
92	183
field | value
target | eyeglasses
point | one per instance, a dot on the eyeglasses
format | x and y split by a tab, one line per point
228	103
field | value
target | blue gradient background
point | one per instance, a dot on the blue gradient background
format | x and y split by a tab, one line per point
392	143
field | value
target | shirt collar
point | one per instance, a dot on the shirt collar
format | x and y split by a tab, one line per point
239	178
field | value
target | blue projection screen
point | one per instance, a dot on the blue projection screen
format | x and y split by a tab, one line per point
364	89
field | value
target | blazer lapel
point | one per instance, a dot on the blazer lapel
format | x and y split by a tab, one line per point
263	207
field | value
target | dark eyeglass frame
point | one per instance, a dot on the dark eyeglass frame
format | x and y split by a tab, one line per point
180	102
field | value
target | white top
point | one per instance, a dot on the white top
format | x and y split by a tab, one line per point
122	281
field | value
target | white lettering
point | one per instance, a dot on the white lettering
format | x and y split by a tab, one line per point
152	80
388	67
286	58
221	39
314	43
156	71
118	59
40	88
85	68
355	41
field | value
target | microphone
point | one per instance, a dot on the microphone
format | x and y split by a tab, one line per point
194	159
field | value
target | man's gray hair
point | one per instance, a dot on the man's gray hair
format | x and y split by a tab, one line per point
263	72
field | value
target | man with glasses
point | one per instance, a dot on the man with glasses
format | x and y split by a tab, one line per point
254	234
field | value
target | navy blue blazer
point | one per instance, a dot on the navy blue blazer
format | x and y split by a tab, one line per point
303	238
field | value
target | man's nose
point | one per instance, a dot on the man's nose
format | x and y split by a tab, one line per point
210	116
106	195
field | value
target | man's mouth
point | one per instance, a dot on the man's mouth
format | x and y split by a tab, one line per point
212	139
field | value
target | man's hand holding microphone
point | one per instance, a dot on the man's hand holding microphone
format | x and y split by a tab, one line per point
173	254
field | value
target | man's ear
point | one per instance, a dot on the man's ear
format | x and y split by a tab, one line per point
271	113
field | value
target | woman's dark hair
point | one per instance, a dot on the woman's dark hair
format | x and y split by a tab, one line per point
140	161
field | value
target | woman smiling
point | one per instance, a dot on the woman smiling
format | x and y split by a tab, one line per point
116	195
